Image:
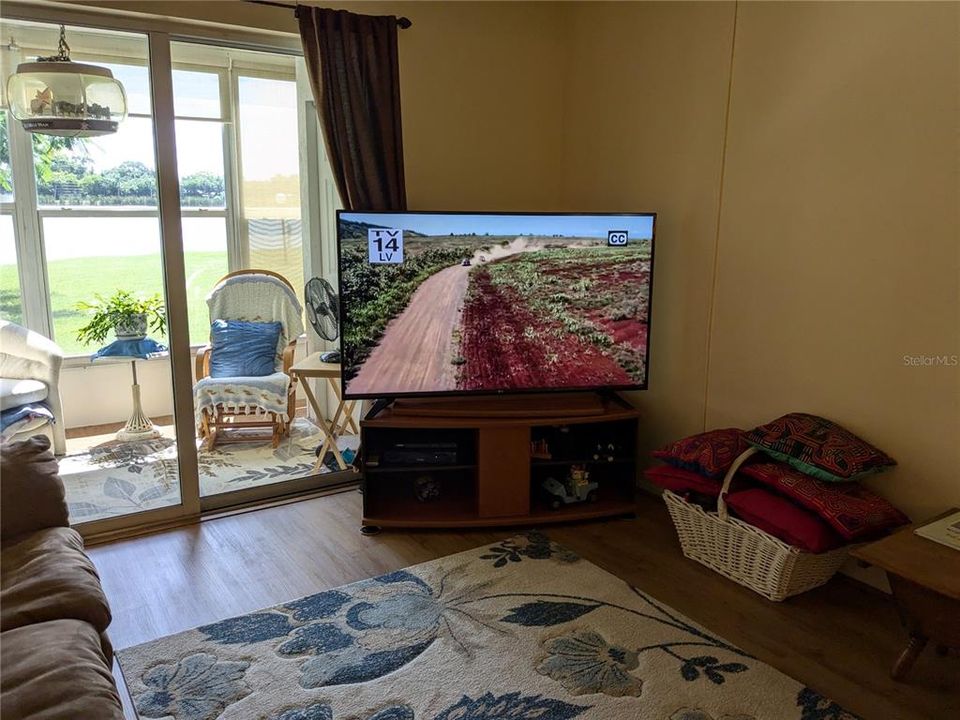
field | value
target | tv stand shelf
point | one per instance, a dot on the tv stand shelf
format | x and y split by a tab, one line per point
448	468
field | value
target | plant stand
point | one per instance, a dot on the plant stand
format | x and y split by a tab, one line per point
139	426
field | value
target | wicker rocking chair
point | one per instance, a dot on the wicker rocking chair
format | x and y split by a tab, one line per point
253	296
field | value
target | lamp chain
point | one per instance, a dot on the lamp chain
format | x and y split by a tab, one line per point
63	54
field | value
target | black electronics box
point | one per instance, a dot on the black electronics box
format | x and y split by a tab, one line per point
439	453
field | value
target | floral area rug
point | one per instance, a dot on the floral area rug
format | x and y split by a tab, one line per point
117	478
523	630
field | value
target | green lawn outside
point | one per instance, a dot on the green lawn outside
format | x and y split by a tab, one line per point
79	278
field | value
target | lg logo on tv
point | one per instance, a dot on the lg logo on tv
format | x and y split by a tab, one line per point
617	238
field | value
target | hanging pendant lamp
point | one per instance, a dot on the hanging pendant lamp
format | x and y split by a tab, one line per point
56	96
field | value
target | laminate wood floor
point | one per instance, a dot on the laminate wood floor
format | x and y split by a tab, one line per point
840	639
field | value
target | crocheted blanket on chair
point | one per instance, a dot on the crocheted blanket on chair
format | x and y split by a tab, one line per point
246	395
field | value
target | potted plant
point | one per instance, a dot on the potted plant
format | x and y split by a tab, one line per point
129	317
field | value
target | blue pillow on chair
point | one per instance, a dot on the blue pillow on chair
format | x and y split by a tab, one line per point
243	349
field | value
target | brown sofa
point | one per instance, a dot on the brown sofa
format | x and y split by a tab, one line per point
55	657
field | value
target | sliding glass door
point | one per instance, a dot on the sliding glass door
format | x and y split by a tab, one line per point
80	236
239	119
216	171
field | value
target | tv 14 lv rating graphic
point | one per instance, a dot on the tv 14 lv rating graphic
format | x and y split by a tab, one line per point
384	246
616	238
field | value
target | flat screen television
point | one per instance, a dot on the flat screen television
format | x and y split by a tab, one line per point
459	303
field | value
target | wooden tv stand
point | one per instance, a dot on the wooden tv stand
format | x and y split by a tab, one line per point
481	465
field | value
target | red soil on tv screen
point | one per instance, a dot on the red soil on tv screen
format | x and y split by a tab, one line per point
478	313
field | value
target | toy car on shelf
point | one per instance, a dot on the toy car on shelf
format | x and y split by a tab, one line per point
577	488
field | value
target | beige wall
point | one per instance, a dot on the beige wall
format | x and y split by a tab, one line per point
481	106
838	250
839	238
643	130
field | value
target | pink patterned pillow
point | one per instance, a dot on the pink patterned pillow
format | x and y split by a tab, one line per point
852	510
710	453
819	447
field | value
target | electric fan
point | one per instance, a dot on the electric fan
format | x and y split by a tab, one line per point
323	311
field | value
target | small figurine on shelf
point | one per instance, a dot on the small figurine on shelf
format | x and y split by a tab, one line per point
605	452
577	477
426	488
540	449
575	488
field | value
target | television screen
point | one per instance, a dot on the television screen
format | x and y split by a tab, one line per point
486	303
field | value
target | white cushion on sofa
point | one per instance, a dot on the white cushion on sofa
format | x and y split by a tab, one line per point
20	392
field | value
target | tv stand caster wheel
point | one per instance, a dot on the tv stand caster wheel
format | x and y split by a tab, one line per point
369	529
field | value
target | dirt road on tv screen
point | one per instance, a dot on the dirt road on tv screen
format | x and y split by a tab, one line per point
518	318
416	353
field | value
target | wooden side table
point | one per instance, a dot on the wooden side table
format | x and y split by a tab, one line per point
313	367
925	578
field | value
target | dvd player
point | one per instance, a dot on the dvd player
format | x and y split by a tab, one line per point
439	453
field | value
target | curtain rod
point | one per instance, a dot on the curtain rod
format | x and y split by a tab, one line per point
402	22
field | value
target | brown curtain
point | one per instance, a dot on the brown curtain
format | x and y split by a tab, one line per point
355	76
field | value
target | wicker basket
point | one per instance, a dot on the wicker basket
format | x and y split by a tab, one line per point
744	553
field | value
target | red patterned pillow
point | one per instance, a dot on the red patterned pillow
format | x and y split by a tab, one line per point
849	508
710	453
819	447
776	515
682	481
